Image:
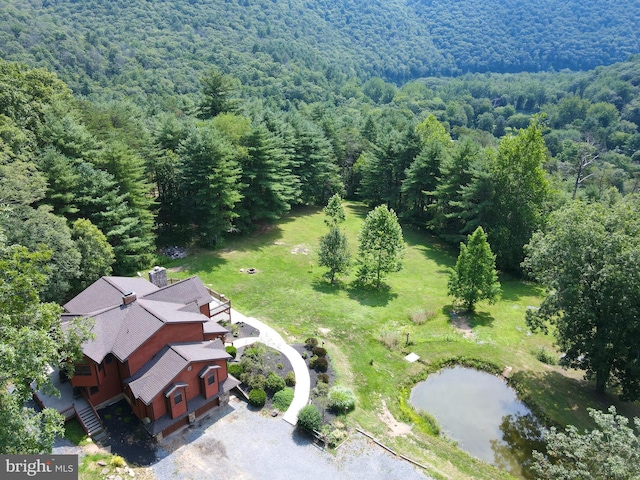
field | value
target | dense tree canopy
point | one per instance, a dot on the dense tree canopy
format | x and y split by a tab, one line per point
587	258
612	450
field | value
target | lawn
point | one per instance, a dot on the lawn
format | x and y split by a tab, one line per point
288	291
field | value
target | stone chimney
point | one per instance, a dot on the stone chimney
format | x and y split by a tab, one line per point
158	276
128	298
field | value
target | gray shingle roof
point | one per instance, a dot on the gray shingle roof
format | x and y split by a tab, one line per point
107	292
159	372
121	329
187	291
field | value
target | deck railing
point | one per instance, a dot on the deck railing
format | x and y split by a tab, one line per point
224	304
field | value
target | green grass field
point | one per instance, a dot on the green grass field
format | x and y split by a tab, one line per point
289	292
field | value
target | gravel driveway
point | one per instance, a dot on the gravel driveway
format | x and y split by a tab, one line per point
245	445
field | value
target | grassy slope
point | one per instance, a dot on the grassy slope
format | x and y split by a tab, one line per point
289	293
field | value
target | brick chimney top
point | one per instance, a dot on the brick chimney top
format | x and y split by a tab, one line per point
128	298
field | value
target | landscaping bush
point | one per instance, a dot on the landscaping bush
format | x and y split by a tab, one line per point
311	343
319	352
312	362
309	418
321	390
282	399
290	379
341	399
322	364
257	397
274	383
231	350
323	378
256	381
235	369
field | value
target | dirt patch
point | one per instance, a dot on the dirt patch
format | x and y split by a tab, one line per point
176	269
397	428
461	323
324	331
300	249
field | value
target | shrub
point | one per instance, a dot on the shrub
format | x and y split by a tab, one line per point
321	390
336	437
249	364
256	382
319	351
546	357
235	369
117	461
312	362
341	399
257	397
254	352
282	399
390	339
309	418
290	379
231	350
274	383
280	366
421	316
304	355
323	378
322	364
311	343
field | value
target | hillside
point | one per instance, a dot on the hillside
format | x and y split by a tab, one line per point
159	48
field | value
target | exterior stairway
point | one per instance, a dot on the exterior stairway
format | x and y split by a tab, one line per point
91	422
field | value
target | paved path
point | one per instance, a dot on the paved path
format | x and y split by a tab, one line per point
273	339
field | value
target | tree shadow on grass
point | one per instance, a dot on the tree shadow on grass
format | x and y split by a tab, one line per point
465	319
371	296
565	399
322	285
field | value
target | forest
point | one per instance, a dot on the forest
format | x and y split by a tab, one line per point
128	126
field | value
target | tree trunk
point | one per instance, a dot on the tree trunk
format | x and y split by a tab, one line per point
602	376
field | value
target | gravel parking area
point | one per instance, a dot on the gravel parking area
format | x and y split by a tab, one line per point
239	444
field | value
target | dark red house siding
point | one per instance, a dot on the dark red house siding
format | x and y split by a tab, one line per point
172	333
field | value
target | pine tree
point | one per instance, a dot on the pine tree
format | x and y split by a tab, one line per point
210	187
381	246
474	277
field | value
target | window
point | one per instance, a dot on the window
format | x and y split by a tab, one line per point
177	398
82	370
211	378
94	390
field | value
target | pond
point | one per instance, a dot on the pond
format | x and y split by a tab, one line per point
483	415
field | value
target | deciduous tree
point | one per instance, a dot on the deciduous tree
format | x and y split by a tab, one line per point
587	258
612	450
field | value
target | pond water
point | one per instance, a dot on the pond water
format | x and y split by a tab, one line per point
483	415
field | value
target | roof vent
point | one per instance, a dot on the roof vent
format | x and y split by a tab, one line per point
129	298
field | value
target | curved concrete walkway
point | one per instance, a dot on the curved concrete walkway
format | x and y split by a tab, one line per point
273	339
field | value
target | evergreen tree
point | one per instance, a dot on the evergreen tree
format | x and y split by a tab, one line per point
334	211
474	277
210	184
381	246
217	90
267	181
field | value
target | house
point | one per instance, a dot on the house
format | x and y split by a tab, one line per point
157	344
